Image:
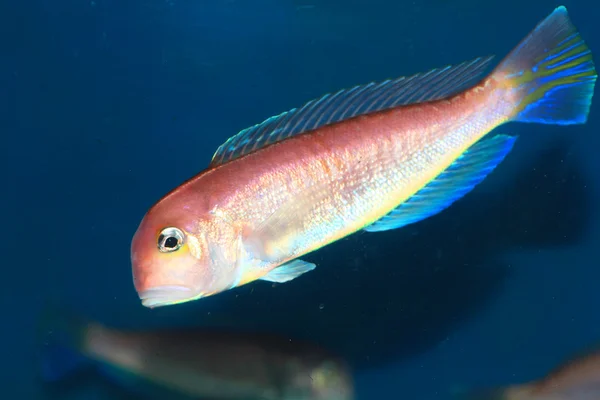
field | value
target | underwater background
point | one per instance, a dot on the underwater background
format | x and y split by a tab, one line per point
109	104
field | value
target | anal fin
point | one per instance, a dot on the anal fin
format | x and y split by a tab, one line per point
468	170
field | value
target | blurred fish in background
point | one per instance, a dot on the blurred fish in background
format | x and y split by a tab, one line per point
576	379
194	364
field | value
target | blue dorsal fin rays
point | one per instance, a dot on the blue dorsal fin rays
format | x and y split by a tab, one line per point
347	103
455	182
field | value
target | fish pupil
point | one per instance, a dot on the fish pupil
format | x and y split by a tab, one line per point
171	242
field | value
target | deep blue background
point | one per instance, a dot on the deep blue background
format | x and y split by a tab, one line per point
108	104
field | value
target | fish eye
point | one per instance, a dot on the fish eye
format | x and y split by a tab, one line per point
170	239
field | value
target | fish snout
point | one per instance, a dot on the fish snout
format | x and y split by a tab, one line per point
163	275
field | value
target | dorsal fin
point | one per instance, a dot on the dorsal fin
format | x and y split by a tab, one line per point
347	103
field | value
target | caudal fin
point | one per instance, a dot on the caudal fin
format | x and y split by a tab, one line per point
550	75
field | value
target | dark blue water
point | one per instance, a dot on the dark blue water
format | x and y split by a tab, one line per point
109	104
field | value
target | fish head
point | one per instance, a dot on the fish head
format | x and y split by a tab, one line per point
321	376
331	380
175	260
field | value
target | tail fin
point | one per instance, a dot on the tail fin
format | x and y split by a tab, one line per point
61	338
551	74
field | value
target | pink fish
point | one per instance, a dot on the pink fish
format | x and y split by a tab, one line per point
374	157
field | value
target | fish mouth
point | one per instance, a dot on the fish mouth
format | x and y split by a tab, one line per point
159	296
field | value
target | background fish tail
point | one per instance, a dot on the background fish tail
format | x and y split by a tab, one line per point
60	340
550	75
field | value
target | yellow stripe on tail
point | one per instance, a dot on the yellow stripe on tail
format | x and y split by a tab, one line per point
550	74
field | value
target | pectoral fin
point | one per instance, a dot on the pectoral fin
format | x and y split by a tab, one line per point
276	238
288	271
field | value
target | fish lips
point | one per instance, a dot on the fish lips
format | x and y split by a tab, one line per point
159	296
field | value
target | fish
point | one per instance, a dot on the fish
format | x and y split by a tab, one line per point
576	379
192	363
371	158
